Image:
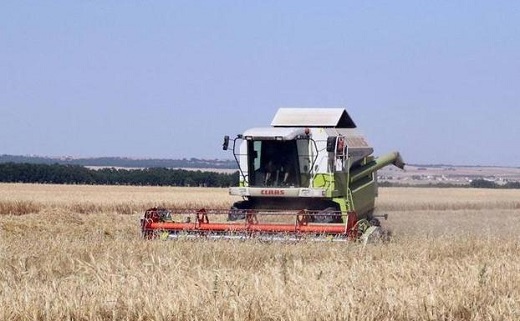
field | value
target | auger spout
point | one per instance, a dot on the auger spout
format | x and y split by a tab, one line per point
378	163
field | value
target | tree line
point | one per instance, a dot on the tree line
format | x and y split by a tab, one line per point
123	162
76	174
483	183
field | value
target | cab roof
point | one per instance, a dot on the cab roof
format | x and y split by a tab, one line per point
313	117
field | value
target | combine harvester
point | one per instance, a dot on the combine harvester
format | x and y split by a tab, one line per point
311	175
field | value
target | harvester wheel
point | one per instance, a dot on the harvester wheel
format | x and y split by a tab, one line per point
375	234
375	222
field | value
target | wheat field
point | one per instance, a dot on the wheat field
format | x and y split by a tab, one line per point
75	253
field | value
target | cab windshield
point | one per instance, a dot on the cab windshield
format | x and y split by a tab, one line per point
277	163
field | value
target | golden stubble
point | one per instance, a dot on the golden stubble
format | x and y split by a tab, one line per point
76	254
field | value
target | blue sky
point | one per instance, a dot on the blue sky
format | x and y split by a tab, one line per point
437	80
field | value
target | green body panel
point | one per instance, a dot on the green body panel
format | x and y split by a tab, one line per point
364	199
357	190
324	181
344	205
358	197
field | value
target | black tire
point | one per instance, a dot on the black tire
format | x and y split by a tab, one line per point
375	222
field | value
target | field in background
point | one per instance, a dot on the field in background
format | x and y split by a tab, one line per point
74	252
448	174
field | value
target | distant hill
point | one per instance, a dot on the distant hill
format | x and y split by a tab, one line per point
123	162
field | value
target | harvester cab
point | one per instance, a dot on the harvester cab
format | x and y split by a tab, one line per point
310	174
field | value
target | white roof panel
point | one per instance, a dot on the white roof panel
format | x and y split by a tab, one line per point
313	117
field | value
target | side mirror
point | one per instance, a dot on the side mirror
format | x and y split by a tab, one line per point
331	144
225	145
